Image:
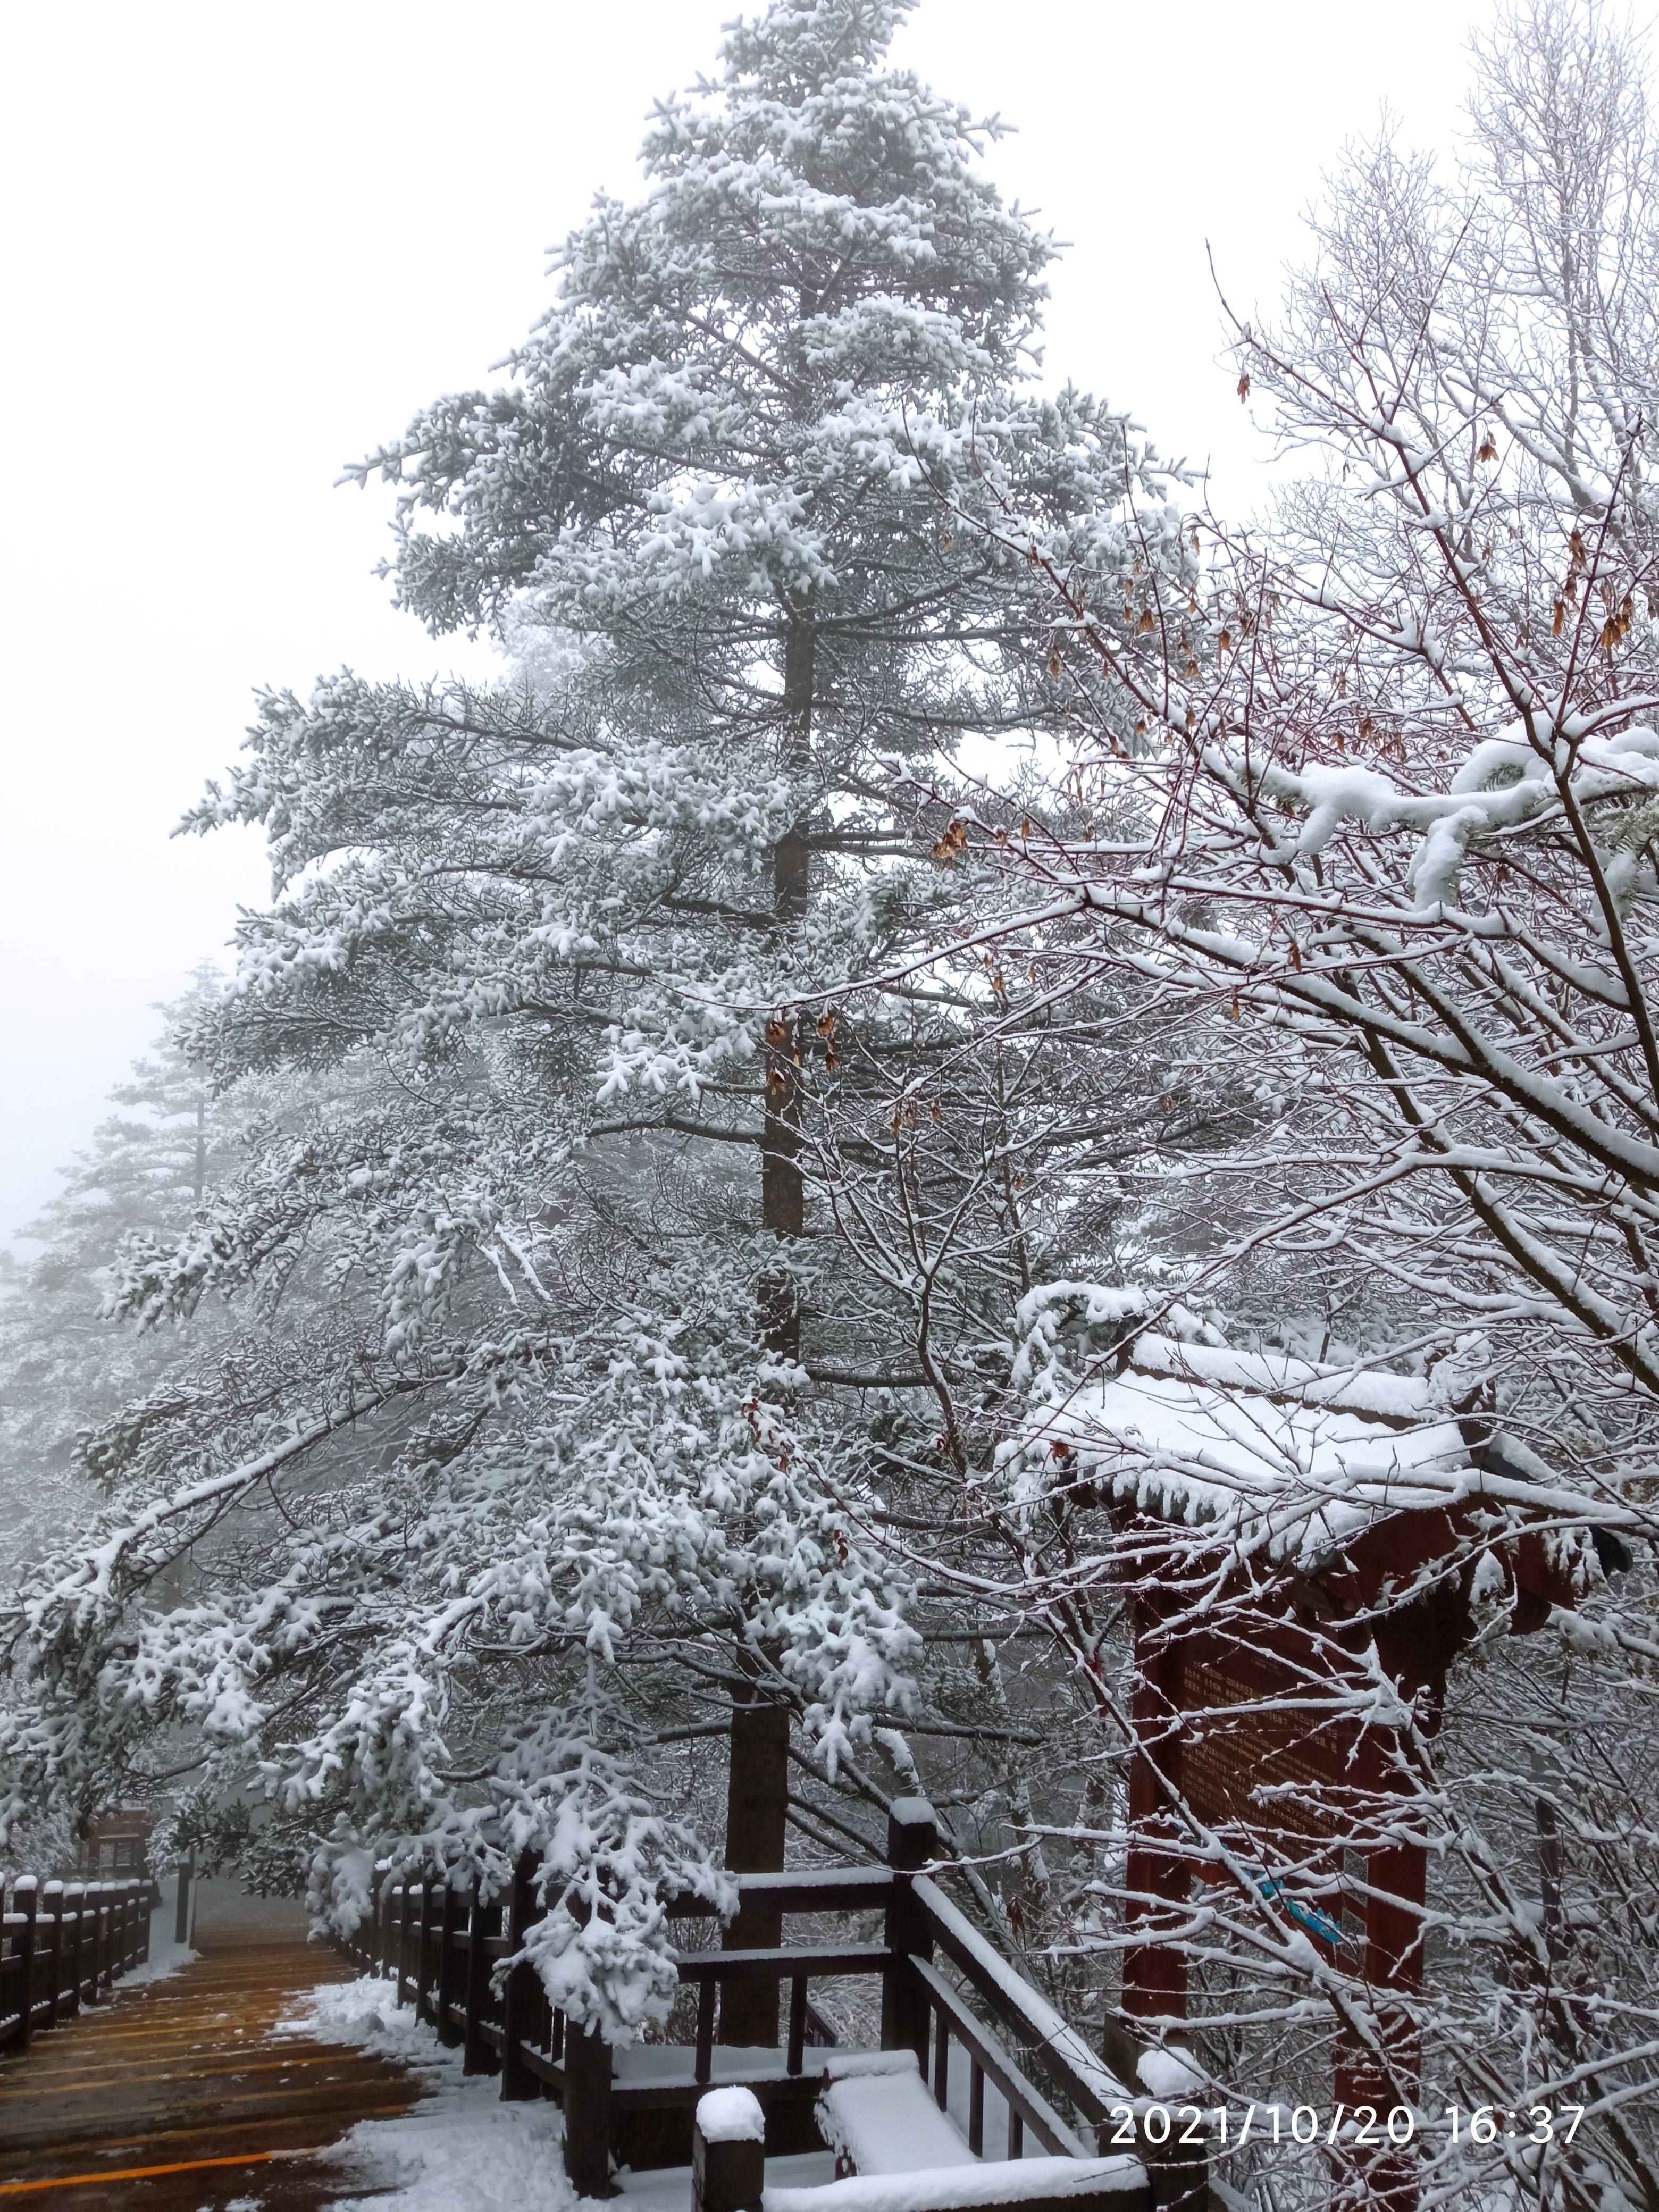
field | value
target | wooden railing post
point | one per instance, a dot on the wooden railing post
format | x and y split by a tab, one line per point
912	1842
423	1961
519	1990
586	2111
478	2055
382	1893
91	1911
52	1899
75	1908
181	1905
729	2153
448	2033
400	1901
25	1900
83	1943
144	1918
71	1945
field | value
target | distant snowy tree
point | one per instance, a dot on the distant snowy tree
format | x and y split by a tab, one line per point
64	1365
571	951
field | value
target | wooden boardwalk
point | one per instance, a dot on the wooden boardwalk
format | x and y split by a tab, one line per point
177	2097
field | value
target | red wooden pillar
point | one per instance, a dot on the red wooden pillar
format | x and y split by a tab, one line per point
1158	1875
1392	1973
1416	1646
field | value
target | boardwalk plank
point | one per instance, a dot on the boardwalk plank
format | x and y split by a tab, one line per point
187	2075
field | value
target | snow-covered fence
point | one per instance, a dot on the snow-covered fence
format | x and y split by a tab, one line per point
444	1951
62	1947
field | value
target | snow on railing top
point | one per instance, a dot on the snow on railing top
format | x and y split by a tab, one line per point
1086	2075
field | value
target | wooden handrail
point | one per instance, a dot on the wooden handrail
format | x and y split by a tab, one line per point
785	1964
61	1948
447	1955
825	1889
998	2066
1080	2074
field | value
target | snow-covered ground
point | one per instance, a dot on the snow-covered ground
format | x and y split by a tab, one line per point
461	2145
166	1959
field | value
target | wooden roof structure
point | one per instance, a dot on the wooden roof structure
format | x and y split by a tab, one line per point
1305	1550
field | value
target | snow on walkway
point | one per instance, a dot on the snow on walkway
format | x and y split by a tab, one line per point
460	2146
179	2095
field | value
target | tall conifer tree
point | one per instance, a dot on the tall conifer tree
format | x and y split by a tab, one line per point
594	926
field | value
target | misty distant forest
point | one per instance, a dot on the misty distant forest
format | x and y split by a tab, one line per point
918	1081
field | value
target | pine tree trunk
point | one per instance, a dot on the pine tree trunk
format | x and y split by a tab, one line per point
757	1792
756	1810
782	1196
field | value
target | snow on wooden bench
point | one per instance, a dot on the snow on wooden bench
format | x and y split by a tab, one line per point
888	2123
906	2155
1025	2184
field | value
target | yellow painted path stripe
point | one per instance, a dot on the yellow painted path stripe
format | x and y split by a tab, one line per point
148	2173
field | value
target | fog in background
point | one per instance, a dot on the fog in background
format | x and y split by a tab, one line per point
242	244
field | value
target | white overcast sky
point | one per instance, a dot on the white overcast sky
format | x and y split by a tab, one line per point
243	242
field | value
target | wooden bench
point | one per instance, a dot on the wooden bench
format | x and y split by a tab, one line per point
895	2151
888	2123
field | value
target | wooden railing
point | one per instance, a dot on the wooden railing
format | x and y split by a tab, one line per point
444	1950
64	1946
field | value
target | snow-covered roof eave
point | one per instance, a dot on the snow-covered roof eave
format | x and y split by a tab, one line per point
1275	1458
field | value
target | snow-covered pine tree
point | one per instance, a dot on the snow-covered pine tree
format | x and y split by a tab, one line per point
592	928
721	467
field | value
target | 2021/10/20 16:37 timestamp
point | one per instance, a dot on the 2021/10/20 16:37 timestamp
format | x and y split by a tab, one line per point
1353	2126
